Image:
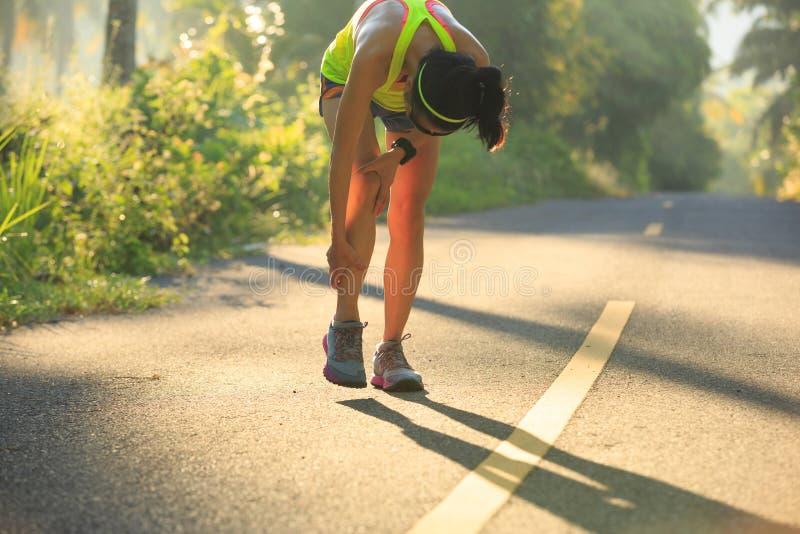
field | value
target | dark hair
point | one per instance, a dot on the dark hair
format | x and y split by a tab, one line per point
463	95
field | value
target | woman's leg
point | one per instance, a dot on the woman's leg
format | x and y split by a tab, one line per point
403	270
359	221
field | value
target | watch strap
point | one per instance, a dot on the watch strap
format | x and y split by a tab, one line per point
407	147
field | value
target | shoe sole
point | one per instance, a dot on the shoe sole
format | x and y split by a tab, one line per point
333	379
330	374
401	386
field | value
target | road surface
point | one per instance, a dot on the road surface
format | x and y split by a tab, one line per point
212	415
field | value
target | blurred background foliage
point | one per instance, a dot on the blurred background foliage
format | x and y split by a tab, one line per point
215	142
757	123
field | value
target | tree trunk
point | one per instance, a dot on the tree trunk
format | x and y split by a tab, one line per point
64	39
119	59
8	16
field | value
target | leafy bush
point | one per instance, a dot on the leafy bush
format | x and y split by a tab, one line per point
189	162
534	164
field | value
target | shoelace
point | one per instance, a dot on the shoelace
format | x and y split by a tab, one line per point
348	343
392	356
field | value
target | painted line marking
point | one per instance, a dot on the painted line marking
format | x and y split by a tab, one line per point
654	229
484	490
668	204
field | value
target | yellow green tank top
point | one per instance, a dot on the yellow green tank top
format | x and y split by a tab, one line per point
339	55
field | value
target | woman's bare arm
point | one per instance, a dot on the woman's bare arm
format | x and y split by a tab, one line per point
366	75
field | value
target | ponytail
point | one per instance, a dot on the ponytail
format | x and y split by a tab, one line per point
492	107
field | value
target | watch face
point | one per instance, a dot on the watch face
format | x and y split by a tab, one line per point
404	143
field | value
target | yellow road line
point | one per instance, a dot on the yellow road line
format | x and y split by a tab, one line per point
653	229
668	204
485	489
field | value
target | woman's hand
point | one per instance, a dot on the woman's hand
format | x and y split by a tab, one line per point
385	166
343	261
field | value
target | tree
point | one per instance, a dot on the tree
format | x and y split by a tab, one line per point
658	56
8	16
52	24
771	49
119	59
683	156
244	31
310	29
63	39
544	46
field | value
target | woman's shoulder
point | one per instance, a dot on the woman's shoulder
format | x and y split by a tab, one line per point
380	27
465	41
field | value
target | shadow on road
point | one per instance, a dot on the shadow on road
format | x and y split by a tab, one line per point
616	501
566	341
56	476
563	340
664	362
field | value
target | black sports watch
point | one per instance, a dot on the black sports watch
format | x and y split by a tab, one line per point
407	147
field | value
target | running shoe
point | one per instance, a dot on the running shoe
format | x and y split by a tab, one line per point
392	371
345	359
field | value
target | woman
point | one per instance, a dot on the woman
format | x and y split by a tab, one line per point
410	63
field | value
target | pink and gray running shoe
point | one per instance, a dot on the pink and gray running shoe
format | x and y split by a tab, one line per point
345	359
392	371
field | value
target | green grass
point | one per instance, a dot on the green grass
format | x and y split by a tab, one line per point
40	301
22	197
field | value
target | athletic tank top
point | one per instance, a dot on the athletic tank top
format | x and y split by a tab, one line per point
339	56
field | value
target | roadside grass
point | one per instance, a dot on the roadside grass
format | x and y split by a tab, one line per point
21	199
36	301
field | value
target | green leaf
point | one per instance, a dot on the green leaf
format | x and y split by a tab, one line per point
5	225
28	213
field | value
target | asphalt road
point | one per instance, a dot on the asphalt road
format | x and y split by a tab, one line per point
212	415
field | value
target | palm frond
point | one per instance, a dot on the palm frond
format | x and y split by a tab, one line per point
769	50
777	6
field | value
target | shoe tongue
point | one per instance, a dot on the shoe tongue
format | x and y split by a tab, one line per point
388	344
347	324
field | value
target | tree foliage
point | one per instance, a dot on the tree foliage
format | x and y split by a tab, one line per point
683	156
309	30
545	47
790	188
657	56
771	50
772	46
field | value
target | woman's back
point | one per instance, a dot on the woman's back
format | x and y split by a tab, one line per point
394	23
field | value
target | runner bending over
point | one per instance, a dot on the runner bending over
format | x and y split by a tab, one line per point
410	63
